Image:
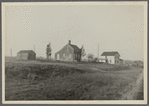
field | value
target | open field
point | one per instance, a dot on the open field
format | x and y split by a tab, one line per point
36	80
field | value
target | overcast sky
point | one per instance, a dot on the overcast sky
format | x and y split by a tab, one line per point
116	28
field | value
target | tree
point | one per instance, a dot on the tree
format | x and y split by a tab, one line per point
48	51
90	56
95	59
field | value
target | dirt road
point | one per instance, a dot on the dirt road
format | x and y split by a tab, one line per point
136	92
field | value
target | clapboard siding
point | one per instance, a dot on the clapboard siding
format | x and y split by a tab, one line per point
68	53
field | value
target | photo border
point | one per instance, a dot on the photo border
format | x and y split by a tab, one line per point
74	101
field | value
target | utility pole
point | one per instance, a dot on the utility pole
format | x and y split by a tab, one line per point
98	51
11	53
34	48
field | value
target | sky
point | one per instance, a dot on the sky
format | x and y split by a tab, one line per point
114	27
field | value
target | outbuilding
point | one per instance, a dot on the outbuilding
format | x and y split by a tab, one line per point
111	57
26	55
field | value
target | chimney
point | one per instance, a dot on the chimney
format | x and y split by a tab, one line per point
69	41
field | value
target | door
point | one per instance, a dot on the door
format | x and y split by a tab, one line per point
106	60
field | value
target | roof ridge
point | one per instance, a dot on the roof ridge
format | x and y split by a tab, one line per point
74	46
25	51
110	53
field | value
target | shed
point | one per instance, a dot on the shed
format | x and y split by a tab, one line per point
26	55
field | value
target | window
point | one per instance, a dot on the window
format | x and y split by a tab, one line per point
57	56
67	48
69	55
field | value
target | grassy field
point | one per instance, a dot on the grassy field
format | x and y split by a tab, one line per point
36	80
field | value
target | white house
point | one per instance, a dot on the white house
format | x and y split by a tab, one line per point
111	57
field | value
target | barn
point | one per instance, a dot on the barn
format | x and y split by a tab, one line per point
26	55
69	52
111	57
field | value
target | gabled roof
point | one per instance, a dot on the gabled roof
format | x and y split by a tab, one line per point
25	51
74	47
109	53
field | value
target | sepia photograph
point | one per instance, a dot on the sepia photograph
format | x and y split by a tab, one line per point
74	52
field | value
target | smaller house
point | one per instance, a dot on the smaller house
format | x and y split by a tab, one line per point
111	57
26	55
